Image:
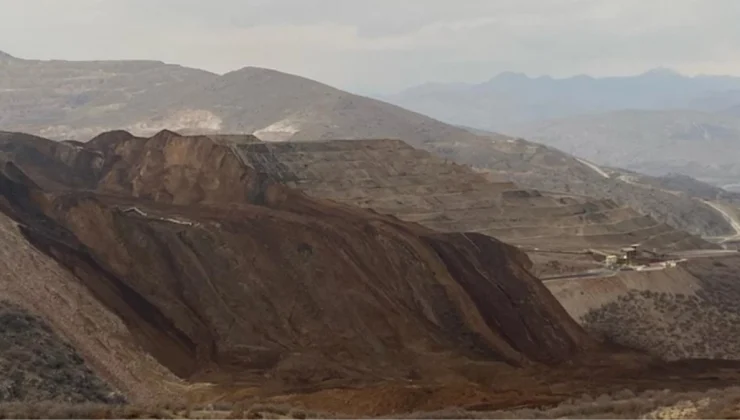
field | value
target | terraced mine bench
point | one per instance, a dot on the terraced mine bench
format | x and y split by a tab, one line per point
391	177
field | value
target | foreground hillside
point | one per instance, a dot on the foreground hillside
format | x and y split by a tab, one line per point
37	365
76	100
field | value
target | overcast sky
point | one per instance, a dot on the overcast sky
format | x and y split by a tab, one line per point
384	45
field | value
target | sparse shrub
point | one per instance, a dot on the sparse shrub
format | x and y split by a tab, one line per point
36	365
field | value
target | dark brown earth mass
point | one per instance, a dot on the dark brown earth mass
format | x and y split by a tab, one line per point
221	273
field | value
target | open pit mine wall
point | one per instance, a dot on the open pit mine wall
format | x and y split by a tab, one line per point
257	278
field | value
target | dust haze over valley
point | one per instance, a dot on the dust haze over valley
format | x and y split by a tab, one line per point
283	210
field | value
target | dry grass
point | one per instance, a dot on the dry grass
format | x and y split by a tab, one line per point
625	404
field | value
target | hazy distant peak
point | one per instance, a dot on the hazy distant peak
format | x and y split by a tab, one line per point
259	72
252	69
663	72
581	77
6	56
510	76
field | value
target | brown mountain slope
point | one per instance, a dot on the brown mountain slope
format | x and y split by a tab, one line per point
77	100
220	273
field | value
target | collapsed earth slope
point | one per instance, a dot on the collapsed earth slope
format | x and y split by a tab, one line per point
225	276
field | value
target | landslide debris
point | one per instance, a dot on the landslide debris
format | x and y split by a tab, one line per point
226	276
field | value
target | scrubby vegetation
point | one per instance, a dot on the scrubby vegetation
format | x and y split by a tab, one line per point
36	365
677	326
711	405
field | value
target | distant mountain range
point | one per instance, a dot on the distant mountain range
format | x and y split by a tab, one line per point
511	99
658	122
76	100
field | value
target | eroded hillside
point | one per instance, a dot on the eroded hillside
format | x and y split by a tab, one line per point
222	274
391	177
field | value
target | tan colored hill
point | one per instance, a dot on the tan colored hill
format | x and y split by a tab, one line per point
77	100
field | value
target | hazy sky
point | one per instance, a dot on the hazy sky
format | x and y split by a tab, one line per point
383	45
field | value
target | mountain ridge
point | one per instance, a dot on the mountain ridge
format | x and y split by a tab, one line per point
511	99
76	101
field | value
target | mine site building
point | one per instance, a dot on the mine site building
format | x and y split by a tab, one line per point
629	253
